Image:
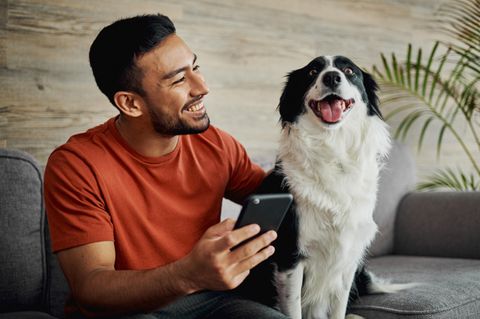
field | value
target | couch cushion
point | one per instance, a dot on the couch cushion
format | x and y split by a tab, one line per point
450	289
22	254
397	178
439	224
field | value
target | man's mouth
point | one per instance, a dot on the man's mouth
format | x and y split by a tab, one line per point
331	108
195	107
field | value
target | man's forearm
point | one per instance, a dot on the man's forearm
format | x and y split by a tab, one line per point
113	292
213	264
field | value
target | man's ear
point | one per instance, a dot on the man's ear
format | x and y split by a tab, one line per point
129	103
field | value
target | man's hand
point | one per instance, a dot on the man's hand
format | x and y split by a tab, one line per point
213	265
100	289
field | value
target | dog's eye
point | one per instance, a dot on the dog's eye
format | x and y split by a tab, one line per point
348	71
313	72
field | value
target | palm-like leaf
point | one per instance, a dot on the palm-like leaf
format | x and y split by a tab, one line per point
460	20
444	88
448	178
424	92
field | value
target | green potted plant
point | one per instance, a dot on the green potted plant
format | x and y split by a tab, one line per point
441	86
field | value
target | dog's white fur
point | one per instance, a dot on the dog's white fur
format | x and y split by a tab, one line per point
332	172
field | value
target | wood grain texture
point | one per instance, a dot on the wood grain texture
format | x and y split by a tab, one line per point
245	49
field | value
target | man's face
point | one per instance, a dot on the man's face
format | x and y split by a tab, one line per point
174	88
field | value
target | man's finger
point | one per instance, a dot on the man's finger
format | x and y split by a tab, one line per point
234	238
221	228
240	278
253	261
253	247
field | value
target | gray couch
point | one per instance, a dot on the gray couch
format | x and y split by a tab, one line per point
432	238
31	283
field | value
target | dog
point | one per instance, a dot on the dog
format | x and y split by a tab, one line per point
332	146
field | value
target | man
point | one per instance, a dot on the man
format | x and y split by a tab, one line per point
134	204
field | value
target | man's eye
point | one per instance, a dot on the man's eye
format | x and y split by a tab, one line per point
196	67
179	80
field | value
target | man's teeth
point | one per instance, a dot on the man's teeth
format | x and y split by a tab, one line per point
195	107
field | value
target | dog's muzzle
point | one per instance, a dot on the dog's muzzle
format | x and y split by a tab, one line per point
331	108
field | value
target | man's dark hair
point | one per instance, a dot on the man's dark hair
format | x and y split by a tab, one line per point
116	48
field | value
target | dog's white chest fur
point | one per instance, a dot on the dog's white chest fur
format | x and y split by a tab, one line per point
334	183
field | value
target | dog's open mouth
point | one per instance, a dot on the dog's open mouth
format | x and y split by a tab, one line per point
331	108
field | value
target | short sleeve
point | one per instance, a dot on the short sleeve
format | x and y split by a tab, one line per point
74	203
245	176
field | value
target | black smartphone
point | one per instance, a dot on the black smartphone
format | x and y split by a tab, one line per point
266	210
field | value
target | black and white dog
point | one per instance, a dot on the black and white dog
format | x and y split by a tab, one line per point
330	154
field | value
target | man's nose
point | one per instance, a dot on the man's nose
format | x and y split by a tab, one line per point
332	79
198	85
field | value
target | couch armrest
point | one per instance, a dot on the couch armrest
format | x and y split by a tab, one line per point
444	224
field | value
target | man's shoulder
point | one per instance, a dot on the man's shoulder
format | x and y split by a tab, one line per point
85	145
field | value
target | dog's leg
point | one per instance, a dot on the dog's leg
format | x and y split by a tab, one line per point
340	301
289	289
316	311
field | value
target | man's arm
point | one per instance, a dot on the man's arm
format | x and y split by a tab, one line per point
99	289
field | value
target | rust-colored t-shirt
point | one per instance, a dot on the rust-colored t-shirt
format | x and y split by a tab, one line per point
97	188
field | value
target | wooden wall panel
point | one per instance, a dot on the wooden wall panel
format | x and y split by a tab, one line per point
245	48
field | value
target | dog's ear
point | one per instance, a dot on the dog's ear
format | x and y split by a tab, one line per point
292	102
371	88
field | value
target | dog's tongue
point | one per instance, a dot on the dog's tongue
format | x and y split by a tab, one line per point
331	110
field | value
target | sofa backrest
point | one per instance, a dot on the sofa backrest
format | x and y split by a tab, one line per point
30	278
23	274
397	178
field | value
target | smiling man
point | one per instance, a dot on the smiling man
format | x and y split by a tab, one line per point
134	204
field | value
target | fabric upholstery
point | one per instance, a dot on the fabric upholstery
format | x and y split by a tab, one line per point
22	253
57	287
445	224
449	288
397	178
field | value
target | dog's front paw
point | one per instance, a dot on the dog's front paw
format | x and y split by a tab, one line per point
352	316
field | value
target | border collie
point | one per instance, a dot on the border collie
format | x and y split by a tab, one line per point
331	149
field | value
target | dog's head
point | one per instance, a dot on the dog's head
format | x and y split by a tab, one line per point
328	90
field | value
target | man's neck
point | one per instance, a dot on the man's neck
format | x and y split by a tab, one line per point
145	141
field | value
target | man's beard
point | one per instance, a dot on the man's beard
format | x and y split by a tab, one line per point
167	125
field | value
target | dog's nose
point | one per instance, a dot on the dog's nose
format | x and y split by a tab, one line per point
332	79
